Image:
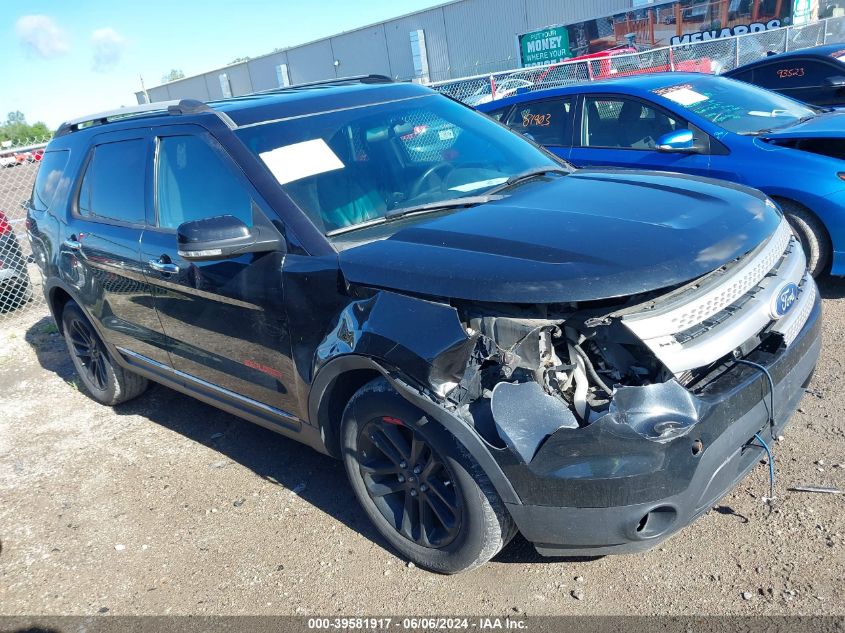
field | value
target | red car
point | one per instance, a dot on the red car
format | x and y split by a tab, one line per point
15	288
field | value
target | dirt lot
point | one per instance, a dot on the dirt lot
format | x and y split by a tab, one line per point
167	506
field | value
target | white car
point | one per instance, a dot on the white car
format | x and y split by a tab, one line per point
504	88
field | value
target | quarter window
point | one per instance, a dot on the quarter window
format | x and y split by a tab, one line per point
113	184
50	175
196	181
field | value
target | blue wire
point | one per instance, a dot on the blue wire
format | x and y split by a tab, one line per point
765	371
771	465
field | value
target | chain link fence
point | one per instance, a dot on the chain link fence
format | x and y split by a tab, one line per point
712	56
20	278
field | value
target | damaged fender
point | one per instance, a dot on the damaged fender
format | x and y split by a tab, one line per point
427	341
424	338
467	436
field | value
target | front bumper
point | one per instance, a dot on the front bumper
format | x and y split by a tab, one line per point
606	489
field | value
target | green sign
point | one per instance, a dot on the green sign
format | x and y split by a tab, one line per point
544	47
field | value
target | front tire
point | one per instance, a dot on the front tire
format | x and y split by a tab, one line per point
106	381
419	485
811	233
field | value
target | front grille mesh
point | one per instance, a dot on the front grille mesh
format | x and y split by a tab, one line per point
736	287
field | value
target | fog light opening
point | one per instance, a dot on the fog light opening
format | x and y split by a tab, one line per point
656	522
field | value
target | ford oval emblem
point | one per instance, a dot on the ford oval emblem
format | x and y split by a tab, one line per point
784	299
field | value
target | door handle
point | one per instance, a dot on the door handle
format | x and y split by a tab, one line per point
162	267
72	243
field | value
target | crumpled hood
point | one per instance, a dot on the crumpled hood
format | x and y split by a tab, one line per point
826	125
593	234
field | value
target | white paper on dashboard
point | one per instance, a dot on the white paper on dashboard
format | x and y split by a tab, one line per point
685	96
472	186
300	160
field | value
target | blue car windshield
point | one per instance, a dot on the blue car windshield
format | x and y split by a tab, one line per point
354	166
736	106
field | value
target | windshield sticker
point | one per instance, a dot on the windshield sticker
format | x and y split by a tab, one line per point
786	73
301	160
542	120
769	113
472	186
683	95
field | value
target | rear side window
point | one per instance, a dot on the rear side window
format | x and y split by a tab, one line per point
793	73
50	175
196	181
547	122
113	185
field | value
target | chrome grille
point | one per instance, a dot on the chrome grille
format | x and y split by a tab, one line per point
737	286
687	332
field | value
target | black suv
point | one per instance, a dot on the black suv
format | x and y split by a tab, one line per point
489	339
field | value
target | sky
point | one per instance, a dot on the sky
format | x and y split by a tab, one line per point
60	60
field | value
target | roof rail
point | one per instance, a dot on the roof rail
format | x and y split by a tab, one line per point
337	81
176	107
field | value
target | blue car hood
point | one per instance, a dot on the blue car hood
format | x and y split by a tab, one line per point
826	125
593	234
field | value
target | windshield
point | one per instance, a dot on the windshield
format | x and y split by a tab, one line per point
350	167
736	106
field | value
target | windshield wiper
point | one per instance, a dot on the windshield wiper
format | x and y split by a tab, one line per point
528	175
799	121
430	207
419	209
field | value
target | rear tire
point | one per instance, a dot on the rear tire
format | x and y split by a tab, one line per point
424	492
811	233
106	381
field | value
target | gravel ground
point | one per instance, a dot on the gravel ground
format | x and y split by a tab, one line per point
167	506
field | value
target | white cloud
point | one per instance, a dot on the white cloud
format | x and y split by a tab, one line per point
40	36
108	48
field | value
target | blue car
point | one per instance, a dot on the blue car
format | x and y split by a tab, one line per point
707	126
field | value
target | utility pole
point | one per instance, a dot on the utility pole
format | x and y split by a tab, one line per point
144	89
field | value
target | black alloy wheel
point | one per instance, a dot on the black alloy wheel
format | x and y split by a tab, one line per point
89	352
409	483
420	486
106	381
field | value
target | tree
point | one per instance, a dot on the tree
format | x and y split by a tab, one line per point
15	118
16	130
173	75
238	60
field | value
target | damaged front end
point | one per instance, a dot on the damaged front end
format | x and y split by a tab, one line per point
635	404
613	422
635	362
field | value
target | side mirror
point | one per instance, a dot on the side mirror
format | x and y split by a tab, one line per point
224	236
677	141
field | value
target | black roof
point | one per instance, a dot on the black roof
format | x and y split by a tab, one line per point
303	101
282	103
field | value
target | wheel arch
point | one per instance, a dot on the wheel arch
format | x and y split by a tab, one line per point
57	298
339	379
780	199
